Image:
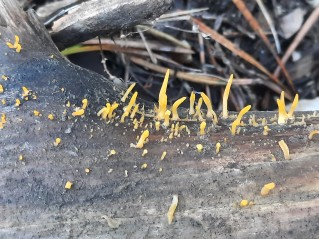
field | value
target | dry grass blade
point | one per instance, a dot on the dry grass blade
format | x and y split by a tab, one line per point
230	46
301	34
257	28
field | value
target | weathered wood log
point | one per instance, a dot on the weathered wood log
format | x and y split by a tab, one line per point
96	17
35	204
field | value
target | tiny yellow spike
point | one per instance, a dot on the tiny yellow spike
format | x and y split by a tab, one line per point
142	139
191	104
293	106
166	118
123	99
162	99
285	149
131	103
202	128
135	109
237	121
210	112
84	103
114	106
79	112
225	97
175	106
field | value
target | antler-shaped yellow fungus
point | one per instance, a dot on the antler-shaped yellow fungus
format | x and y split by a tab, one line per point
134	111
282	114
217	147
16	44
113	107
26	92
131	103
172	208
225	97
57	142
237	121
142	139
293	106
104	111
175	106
267	188
312	133
210	112
166	118
18	103
191	104
198	111
157	125
162	98
284	149
202	128
84	103
78	112
123	99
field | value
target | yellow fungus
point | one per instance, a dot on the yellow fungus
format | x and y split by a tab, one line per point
26	91
282	114
1	89
112	152
244	203
68	104
176	131
87	170
68	185
51	117
191	104
218	147
78	112
134	111
166	118
238	119
210	112
144	166
20	157
172	208
18	103
312	133
226	95
18	49
3	101
123	99
175	106
199	147
16	44
293	106
162	98
57	142
111	110
163	155
3	118
267	188
142	139
4	77
266	130
84	103
124	115
285	149
144	152
202	128
157	125
36	113
131	103
198	111
104	111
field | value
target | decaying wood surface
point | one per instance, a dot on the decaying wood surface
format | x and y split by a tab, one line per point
35	204
96	17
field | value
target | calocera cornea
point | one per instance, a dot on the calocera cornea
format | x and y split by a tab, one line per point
51	117
163	155
113	107
218	145
1	89
202	128
16	44
57	142
166	117
237	122
225	97
85	103
192	103
128	108
175	106
78	112
68	185
267	188
210	112
162	98
123	99
104	111
142	139
18	103
283	116
157	125
266	130
198	109
172	208
284	149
